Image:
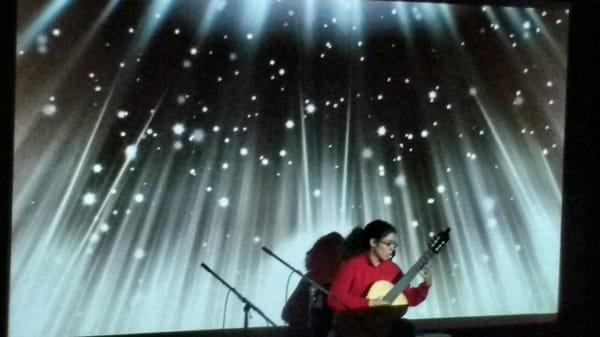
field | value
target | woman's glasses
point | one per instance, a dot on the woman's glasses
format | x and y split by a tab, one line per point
390	243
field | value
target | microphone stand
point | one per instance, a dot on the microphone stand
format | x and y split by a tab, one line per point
314	286
296	271
247	304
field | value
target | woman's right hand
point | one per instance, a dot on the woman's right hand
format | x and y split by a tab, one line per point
377	302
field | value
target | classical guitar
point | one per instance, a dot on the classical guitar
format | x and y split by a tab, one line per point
372	321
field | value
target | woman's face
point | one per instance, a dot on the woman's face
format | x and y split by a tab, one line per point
384	248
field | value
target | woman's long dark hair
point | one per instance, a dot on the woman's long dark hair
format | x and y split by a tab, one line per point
357	242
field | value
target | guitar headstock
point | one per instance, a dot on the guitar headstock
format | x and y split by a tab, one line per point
439	241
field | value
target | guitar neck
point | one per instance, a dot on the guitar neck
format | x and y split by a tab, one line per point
404	282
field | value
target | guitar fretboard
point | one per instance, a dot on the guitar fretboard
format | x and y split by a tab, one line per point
408	277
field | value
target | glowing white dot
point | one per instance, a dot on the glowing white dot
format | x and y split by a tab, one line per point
89	199
415	223
243	151
56	32
367	153
281	72
282	153
549	84
95	237
387	200
97	168
409	136
131	30
424	133
178	129
381	131
194	51
545	152
49	109
317	193
432	95
526	25
122	114
407	80
256	239
290	124
264	161
311	108
441	189
223	202
209	189
104	227
253	98
193	172
139	254
249	36
198	136
186	63
328	45
178	145
518	100
448	106
379	97
216	128
139	198
473	91
177	31
131	152
400	180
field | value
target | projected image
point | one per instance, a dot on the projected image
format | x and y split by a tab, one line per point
151	137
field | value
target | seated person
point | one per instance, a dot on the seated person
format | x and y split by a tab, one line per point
373	248
307	306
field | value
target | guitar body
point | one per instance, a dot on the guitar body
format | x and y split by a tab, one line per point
380	288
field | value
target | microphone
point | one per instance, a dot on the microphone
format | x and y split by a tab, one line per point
267	250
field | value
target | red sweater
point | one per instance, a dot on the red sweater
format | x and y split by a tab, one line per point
352	283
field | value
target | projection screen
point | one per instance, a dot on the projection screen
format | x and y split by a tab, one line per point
153	136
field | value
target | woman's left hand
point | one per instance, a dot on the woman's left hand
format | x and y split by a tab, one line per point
426	274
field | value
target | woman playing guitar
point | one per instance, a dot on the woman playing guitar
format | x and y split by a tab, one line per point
371	262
